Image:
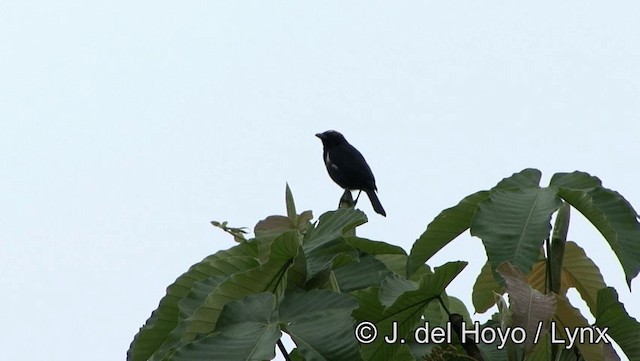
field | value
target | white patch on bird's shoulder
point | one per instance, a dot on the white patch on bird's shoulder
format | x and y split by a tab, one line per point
328	163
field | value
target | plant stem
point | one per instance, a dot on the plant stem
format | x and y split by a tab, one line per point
283	350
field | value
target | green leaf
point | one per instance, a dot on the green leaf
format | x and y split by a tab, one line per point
556	248
297	274
448	225
457	306
268	277
393	257
291	205
623	329
406	310
332	225
165	318
324	242
320	323
608	211
226	267
451	222
397	263
484	288
513	224
393	287
322	256
368	271
374	247
526	178
245	331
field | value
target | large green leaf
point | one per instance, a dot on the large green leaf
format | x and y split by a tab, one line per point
366	272
268	277
397	263
297	274
198	294
513	224
246	331
322	256
320	323
332	225
406	307
482	295
526	178
201	289
448	225
393	287
623	329
374	247
608	211
324	242
165	318
451	222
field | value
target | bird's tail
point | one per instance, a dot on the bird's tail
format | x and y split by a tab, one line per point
375	202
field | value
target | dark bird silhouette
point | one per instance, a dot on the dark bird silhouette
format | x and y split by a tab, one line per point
347	167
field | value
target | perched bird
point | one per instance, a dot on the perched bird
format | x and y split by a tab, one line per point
347	167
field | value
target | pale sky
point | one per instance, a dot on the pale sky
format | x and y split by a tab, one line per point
125	127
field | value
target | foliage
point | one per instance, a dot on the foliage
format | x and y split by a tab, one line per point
342	297
513	221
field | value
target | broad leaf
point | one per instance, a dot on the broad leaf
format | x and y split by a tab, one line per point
448	225
332	225
268	277
526	178
623	329
374	247
484	288
608	211
245	331
324	242
366	272
406	310
322	256
320	323
513	224
165	318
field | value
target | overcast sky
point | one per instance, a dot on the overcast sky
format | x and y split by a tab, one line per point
125	127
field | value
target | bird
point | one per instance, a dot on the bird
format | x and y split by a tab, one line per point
348	168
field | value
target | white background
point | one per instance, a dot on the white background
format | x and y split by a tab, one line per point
126	127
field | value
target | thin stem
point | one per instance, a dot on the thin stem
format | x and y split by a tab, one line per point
443	305
283	350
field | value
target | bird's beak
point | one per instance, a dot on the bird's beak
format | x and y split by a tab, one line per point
320	135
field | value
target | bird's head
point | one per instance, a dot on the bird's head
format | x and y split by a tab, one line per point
331	138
